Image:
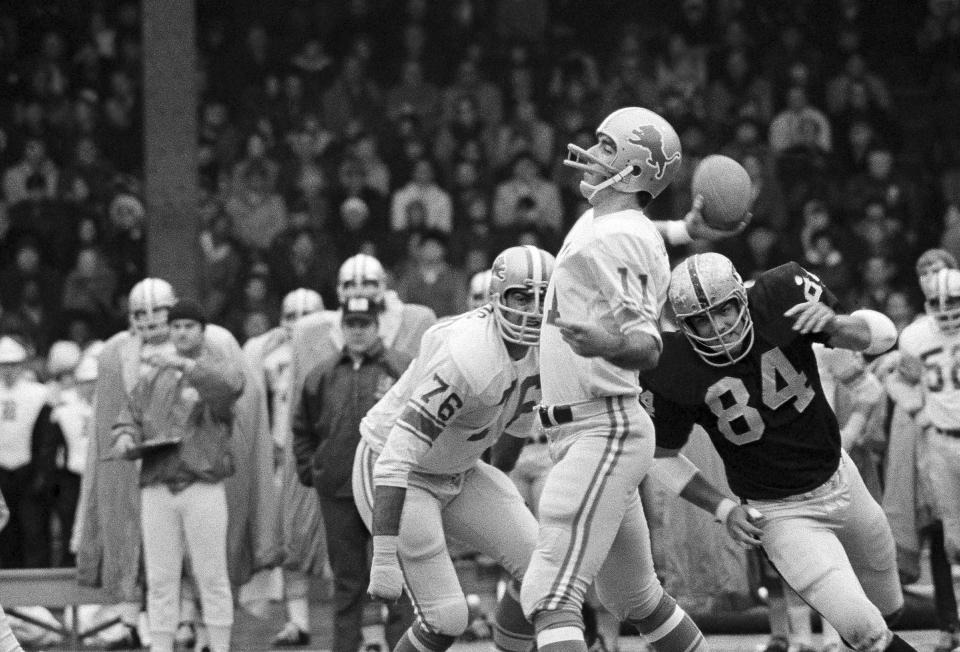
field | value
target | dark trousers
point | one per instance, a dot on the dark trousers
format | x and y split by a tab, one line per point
66	495
944	600
348	545
25	542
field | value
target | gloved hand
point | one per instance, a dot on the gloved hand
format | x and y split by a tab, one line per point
386	578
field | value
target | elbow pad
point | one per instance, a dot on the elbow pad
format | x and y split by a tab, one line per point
883	334
674	472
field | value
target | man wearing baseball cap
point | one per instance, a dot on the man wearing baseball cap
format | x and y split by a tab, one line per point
326	431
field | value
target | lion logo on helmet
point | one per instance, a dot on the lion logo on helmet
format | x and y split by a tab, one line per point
650	138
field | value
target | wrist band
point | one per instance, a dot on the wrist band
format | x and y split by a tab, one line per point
723	510
677	233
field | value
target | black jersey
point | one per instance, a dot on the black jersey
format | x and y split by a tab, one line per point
766	414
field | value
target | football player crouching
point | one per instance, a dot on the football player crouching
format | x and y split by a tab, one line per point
418	476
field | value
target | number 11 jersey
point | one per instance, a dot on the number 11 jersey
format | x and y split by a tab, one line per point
767	414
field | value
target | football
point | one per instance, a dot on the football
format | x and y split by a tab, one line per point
725	187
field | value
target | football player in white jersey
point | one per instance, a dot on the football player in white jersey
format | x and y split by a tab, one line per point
301	525
601	326
418	478
931	345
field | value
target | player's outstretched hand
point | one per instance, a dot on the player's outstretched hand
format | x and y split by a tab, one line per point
386	582
744	524
588	339
698	229
811	317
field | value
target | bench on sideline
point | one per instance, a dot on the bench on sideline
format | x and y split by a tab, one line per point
50	587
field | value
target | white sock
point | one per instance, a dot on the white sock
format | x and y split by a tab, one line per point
219	638
298	611
161	642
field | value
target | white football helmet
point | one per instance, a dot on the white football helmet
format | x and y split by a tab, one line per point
361	275
647	156
298	303
943	300
699	284
524	268
148	306
479	289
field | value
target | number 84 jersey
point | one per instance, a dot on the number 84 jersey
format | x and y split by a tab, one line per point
454	401
940	355
767	414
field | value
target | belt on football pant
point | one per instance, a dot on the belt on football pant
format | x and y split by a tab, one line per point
557	415
949	432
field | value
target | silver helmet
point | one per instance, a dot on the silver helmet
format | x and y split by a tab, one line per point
700	284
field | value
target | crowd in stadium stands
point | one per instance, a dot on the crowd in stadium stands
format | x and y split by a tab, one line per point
430	135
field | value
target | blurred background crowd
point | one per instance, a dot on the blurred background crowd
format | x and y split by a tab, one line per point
430	134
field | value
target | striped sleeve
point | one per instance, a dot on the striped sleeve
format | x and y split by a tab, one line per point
433	404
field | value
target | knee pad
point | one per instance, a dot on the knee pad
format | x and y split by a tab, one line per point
449	618
643	603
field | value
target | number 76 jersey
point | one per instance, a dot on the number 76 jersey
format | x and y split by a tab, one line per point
454	401
767	414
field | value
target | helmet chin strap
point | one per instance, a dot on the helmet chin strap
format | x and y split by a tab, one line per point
617	178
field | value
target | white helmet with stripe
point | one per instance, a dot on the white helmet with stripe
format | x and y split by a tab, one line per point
527	269
148	305
942	303
298	303
361	275
700	284
479	289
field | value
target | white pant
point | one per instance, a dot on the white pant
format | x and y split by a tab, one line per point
197	517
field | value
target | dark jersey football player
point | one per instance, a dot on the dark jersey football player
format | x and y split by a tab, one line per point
742	367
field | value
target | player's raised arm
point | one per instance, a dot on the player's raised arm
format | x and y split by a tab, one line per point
694	227
862	330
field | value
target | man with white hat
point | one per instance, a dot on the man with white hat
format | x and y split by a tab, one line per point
26	460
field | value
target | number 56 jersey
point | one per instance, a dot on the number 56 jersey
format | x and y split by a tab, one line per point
454	401
940	354
767	414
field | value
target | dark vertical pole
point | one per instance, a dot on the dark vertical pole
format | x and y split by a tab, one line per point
170	109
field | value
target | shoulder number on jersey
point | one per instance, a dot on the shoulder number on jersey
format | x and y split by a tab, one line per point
449	405
728	398
812	286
